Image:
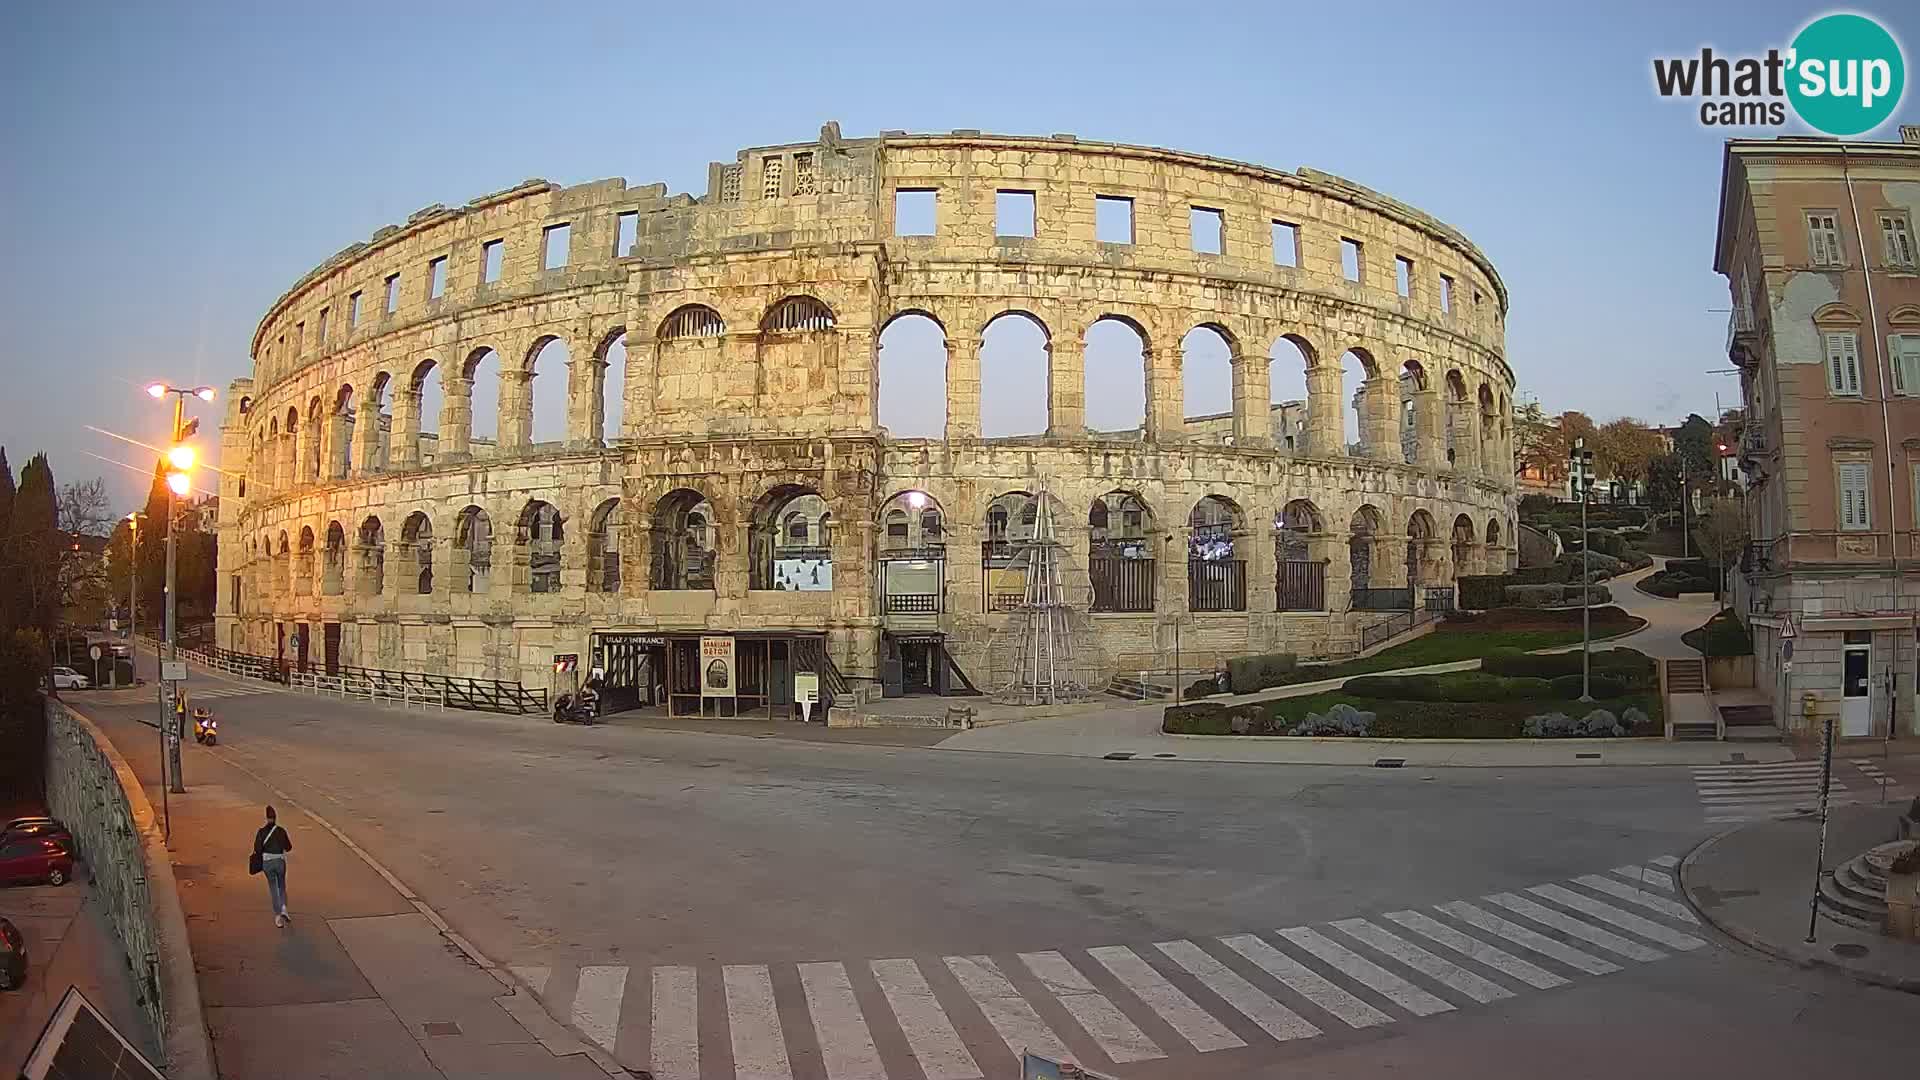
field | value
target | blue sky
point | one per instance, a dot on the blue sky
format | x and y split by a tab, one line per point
171	169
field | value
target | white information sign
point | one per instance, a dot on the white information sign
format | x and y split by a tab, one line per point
173	671
806	693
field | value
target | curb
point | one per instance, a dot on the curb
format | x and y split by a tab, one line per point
1767	948
601	1059
186	1043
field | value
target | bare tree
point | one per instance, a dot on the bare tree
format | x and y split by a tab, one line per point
84	519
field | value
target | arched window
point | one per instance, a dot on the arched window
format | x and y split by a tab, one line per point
913	565
681	552
912	398
603	548
1363	537
692	321
417	534
538	534
1122	559
794	554
1463	538
796	315
1010	520
303	563
1216	576
333	570
1419	531
373	557
473	545
1300	583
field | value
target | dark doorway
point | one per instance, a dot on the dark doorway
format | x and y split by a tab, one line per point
331	634
302	641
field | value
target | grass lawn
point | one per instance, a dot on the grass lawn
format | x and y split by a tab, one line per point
1473	638
1433	719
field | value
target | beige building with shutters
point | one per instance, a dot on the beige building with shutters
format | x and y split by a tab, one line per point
1817	241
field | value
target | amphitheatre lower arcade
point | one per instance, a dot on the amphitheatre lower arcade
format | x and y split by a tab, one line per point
607	421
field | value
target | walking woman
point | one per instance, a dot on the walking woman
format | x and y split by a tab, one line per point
270	847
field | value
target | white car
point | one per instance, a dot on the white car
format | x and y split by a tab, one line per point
65	678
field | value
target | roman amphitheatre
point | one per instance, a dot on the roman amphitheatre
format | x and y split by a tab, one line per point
559	429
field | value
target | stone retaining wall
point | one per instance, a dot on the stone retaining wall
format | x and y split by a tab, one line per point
93	790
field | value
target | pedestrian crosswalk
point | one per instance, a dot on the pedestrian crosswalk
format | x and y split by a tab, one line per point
966	1017
1736	793
202	693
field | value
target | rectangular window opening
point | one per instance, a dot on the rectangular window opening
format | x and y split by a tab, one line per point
1843	364
393	293
1823	238
320	335
437	278
1905	350
803	183
1854	496
353	310
1013	213
1403	276
1113	219
1208	228
554	241
1897	234
914	211
771	170
299	338
1350	264
1446	294
626	231
492	254
1286	244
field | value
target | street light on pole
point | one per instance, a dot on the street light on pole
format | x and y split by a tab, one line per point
1580	467
180	462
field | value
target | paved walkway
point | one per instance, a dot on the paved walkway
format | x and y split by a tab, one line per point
362	983
1755	884
69	943
1666	619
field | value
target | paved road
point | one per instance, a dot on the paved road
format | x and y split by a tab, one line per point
717	906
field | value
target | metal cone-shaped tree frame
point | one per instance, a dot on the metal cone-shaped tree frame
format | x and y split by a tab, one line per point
1048	659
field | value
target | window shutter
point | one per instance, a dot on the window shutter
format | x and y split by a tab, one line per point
1853	495
1898	363
1848	343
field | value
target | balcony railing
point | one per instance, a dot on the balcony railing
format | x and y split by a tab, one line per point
1122	584
1302	585
1216	585
913	604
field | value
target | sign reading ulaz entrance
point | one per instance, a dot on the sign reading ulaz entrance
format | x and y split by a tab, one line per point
716	667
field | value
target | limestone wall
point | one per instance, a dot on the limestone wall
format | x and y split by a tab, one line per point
751	318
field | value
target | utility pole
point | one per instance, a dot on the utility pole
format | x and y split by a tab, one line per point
180	459
1580	464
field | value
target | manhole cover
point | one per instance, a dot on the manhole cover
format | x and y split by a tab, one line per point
1389	762
1120	755
442	1027
1849	950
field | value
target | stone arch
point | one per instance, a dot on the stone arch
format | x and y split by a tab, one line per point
478	399
340	433
427	398
789	541
691	321
1123	548
681	542
538	535
1216	563
473	550
1462	543
533	397
604	529
1420	533
912	520
910	373
373	425
1300	557
1114	383
609	391
1016	356
303	564
283	564
372	548
1363	540
1489	430
312	466
1207	354
1291	365
417	536
1459	418
1493	532
1009	521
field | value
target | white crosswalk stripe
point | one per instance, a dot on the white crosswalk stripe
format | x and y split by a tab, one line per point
1528	939
1366	972
676	1023
1606	939
846	1046
227	692
596	1003
1119	1039
1020	1027
1307	982
759	1046
1642	897
1665	860
1503	962
1253	1003
930	1035
1625	920
1356	970
1419	959
1659	879
1194	1024
1736	793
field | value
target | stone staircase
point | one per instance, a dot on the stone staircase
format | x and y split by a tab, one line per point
1749	723
1136	688
1855	894
1689	709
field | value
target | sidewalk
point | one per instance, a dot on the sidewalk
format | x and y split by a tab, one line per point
69	943
1755	884
363	983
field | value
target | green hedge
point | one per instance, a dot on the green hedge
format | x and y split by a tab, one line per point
1601	686
1450	686
1479	592
1627	664
1245	674
1213	718
1552	574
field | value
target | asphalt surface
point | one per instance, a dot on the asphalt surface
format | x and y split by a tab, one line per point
571	852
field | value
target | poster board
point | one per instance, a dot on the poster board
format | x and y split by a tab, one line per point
717	673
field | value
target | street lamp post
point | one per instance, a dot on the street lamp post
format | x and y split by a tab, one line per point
180	460
1580	466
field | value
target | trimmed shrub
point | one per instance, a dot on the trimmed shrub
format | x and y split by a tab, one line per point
1534	596
1245	674
1602	686
1478	592
1384	687
1551	574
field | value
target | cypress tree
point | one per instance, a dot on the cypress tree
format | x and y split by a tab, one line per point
34	540
9	568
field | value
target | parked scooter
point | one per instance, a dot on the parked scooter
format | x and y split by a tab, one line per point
206	730
579	708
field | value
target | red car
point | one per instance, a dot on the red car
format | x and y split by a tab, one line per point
31	860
